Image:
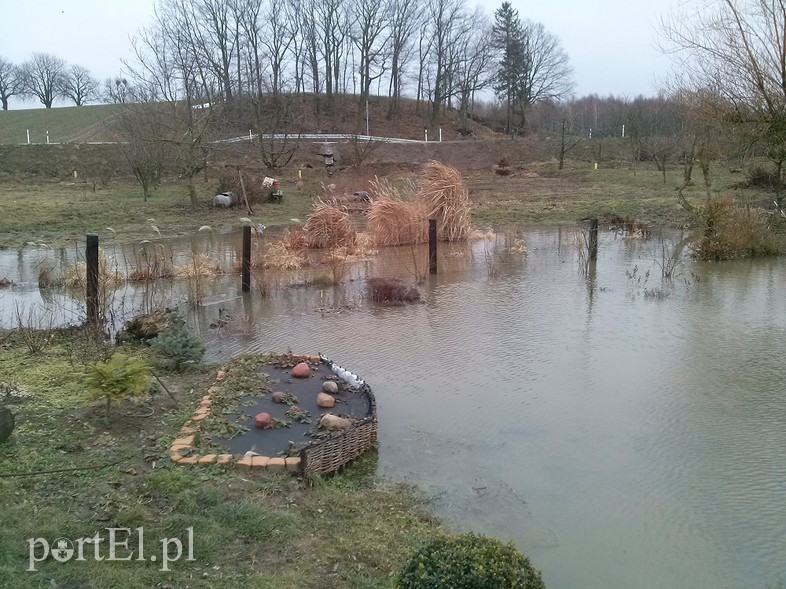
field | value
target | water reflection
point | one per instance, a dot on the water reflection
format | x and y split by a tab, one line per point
621	439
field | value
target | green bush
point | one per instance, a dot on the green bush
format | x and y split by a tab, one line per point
469	561
177	341
122	376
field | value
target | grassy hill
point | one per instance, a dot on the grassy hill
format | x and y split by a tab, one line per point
346	114
71	124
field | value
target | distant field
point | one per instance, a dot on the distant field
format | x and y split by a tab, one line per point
71	124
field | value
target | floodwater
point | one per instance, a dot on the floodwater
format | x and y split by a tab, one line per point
622	430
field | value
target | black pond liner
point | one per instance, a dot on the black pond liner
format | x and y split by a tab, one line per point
324	455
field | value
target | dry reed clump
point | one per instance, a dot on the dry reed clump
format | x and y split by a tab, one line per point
365	245
108	276
393	221
480	235
395	216
200	266
731	232
329	227
151	263
281	256
48	274
446	198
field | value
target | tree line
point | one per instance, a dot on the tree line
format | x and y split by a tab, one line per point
439	52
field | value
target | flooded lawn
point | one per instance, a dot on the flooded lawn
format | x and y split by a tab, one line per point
623	430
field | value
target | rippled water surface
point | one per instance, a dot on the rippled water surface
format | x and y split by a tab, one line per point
623	431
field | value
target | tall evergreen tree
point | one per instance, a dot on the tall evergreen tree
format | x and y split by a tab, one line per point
508	38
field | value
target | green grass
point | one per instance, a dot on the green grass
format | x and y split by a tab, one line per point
249	529
65	125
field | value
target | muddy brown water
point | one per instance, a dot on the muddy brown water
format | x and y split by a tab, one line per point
623	431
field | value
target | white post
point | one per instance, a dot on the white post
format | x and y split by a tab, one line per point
47	137
440	134
28	136
367	133
249	135
426	132
590	135
623	131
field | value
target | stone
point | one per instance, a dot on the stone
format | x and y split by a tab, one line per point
334	422
6	424
221	376
262	420
276	464
302	370
278	397
207	459
188	460
325	401
225	458
330	386
293	463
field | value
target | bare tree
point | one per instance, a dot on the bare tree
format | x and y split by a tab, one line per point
10	81
737	50
472	60
405	18
117	90
370	36
41	77
443	17
279	36
166	65
546	73
78	85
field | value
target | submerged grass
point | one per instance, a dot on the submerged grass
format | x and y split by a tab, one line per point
249	529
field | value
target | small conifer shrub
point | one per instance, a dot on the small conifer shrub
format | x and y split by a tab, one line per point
177	342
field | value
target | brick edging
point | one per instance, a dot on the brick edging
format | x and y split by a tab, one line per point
189	430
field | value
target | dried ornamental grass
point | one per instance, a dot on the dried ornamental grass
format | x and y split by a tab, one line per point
280	256
76	274
328	226
200	266
392	221
447	200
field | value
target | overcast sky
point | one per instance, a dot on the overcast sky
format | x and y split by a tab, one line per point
610	43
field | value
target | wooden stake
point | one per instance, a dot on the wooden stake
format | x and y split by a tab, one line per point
243	188
246	268
432	246
91	296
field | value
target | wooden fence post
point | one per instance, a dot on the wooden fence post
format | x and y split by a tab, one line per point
91	296
593	240
246	268
432	246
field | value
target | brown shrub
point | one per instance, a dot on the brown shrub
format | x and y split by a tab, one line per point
731	232
392	290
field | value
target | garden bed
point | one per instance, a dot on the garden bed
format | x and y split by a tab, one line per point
288	412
